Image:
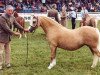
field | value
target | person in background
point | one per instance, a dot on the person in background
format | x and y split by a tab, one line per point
84	11
6	22
53	13
43	8
64	16
73	16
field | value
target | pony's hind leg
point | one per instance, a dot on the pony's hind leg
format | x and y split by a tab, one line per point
21	33
96	57
96	52
95	60
53	55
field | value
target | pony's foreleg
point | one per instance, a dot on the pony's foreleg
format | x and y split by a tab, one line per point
53	55
52	64
25	34
20	36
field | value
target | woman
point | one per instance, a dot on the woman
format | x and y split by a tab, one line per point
64	16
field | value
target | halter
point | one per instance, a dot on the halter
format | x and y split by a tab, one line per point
33	27
36	20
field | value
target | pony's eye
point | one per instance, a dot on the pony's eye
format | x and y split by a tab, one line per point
34	21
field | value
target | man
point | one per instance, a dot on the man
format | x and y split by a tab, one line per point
84	12
53	13
6	23
73	16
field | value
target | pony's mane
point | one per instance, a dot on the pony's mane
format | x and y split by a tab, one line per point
50	20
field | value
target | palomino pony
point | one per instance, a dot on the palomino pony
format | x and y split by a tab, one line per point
21	21
59	36
89	21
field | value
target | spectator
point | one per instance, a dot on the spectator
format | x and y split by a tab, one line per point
63	16
53	13
84	11
58	3
43	8
43	2
69	3
73	16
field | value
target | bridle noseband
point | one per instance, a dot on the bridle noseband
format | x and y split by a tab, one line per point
33	27
36	25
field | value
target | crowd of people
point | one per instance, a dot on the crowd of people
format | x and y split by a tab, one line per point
29	6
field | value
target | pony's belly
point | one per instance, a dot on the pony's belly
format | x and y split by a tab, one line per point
70	46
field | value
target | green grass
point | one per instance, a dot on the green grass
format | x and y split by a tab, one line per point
68	62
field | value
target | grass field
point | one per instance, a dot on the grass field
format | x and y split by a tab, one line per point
68	62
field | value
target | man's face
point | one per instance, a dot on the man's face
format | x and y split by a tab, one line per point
9	11
84	8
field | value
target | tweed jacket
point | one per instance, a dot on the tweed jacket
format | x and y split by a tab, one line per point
6	23
53	13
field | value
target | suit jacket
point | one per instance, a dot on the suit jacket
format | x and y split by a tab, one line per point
5	28
53	13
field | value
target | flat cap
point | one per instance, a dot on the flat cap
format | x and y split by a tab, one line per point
9	7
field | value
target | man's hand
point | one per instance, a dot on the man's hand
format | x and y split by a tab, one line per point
26	30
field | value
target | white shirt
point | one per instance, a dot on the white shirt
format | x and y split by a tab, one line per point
43	1
73	14
83	12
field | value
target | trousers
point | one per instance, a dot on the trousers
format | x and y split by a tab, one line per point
73	22
5	49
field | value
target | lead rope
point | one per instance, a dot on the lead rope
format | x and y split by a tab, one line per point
27	47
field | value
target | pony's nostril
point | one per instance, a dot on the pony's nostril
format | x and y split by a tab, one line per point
34	21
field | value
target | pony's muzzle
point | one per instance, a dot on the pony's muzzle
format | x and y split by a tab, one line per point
31	28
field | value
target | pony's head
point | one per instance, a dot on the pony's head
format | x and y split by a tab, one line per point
34	24
15	14
86	15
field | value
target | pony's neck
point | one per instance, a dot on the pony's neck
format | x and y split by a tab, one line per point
48	24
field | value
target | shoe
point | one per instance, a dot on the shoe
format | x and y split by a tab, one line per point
1	68
8	65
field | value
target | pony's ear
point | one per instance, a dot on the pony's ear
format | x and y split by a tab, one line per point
38	19
34	16
14	12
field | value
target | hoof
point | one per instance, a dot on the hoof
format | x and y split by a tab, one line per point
51	65
92	66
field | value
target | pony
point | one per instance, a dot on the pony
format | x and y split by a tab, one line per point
21	21
89	21
61	37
